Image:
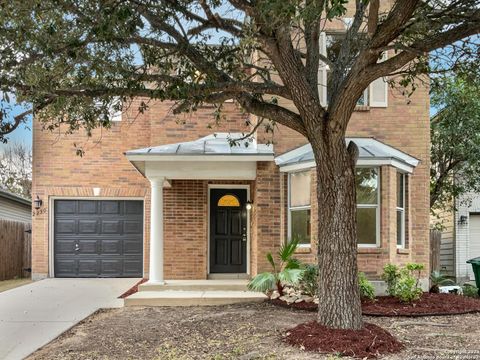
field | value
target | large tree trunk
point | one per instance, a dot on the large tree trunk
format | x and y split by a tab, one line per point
339	295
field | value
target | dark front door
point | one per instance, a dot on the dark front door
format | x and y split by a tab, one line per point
228	231
98	238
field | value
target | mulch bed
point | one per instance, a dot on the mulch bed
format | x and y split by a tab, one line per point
428	305
369	342
132	290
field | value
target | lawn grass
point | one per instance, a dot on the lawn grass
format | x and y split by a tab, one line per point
11	284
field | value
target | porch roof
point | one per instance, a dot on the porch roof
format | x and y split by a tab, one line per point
371	153
204	158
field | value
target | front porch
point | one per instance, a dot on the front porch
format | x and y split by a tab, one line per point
200	201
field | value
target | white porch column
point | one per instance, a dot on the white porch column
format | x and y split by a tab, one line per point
156	231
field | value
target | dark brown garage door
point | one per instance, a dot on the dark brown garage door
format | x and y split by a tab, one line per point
98	238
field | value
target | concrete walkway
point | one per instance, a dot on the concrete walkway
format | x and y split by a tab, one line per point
35	314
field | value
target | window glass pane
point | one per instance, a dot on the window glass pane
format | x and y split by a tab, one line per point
367	226
400	190
367	185
300	226
399	227
300	189
363	100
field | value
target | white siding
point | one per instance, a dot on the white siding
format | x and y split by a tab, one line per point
466	240
12	210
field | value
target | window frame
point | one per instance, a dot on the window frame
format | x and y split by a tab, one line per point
376	206
402	211
303	207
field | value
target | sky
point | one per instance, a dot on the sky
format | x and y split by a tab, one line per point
22	134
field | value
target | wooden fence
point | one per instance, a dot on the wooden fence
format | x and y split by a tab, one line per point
435	243
15	249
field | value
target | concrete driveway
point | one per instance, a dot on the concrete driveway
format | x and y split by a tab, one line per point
34	314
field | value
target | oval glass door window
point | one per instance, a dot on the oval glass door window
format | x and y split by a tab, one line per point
228	200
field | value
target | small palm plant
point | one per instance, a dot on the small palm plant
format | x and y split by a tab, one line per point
438	280
286	272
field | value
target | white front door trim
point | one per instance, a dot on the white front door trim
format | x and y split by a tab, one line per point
228	186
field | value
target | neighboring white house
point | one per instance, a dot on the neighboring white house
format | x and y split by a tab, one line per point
461	238
14	207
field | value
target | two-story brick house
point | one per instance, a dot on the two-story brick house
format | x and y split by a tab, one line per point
106	212
167	197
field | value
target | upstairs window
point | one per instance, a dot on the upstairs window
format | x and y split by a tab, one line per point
299	207
375	95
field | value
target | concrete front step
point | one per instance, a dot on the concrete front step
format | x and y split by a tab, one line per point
192	298
197	285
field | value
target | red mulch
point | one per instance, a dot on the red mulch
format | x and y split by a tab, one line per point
132	290
369	342
428	305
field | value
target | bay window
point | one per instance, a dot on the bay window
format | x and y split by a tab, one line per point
368	209
299	207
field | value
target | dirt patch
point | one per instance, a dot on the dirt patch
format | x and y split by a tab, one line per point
369	342
11	284
133	289
428	305
244	332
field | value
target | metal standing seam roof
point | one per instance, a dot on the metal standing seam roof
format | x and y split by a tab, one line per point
369	149
215	144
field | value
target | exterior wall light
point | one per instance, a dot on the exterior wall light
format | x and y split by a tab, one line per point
249	205
462	220
37	203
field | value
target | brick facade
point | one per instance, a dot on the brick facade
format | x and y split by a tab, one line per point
58	172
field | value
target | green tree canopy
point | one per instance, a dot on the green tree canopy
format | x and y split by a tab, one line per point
455	136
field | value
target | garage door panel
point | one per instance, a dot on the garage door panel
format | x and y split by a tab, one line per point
112	247
87	267
65	266
98	238
64	247
87	226
87	207
65	226
110	207
65	207
112	267
111	227
87	246
132	247
132	226
132	266
134	208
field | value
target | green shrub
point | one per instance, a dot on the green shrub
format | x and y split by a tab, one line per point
367	290
285	271
407	289
390	275
309	281
403	283
470	291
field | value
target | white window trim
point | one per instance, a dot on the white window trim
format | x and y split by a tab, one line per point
290	208
402	210
377	206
